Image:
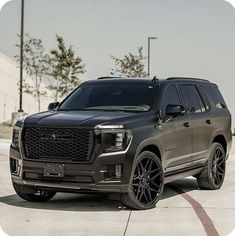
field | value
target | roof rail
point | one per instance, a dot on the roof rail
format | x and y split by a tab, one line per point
186	78
109	77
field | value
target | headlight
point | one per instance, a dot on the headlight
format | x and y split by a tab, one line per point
116	140
16	136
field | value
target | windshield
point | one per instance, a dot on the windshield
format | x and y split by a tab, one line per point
111	97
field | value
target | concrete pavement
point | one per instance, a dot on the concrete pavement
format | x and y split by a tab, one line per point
4	146
76	214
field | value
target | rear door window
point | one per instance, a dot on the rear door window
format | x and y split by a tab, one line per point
215	96
192	98
204	98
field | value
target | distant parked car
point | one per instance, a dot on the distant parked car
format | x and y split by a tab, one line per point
129	136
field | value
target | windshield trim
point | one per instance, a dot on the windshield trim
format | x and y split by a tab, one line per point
108	110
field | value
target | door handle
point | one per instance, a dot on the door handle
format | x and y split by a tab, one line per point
187	124
209	122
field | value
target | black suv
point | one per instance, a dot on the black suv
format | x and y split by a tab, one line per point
129	136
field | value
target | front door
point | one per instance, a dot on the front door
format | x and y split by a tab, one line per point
177	133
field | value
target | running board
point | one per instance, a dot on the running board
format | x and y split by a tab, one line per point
170	177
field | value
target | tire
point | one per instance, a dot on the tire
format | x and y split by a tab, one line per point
212	177
38	196
147	183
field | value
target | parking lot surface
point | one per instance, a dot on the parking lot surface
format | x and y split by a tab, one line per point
183	210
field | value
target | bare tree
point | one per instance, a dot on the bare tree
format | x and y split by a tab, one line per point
35	67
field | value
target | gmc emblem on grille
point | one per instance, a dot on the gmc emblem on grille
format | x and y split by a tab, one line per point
55	137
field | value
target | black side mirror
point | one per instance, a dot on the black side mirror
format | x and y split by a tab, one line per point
175	110
53	105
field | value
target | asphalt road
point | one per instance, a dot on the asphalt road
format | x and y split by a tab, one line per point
183	210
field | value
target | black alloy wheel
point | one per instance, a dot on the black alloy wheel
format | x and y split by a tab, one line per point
218	166
147	183
213	174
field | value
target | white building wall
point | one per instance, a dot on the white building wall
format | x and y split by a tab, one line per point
9	91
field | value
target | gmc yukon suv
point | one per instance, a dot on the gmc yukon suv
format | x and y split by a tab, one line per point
129	136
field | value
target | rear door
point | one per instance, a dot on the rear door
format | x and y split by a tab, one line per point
219	114
177	132
202	123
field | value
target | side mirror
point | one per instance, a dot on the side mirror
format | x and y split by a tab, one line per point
53	105
175	110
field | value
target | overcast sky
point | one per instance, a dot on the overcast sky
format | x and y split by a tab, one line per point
196	38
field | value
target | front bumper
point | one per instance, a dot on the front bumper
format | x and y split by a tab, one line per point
71	187
95	177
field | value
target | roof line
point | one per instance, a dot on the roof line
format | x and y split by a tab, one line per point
186	78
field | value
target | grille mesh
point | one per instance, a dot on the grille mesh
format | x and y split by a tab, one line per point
58	143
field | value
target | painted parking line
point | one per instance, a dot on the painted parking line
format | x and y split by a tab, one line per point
199	210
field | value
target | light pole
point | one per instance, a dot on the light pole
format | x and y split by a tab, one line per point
21	56
149	38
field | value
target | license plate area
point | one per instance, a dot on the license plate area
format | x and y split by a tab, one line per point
54	170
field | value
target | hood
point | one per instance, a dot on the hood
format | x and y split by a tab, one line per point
80	118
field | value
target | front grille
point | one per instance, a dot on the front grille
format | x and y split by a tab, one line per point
58	143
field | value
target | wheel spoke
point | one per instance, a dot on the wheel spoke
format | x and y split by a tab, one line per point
153	171
141	194
136	178
217	178
150	167
139	170
221	161
153	190
138	192
146	198
220	171
213	173
149	193
142	168
218	153
151	164
155	176
147	163
153	183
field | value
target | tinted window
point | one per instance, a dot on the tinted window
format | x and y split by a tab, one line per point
112	96
202	105
192	99
171	97
215	96
204	98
